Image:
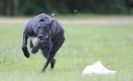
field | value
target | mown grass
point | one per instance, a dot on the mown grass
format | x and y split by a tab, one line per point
84	45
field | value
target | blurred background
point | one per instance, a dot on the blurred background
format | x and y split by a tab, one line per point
32	7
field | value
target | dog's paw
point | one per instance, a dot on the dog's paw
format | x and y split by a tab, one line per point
26	53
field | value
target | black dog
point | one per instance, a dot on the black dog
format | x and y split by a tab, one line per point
49	37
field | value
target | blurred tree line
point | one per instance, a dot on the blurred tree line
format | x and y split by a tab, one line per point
31	7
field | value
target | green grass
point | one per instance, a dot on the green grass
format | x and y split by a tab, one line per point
84	45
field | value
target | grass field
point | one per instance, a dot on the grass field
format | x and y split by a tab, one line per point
85	44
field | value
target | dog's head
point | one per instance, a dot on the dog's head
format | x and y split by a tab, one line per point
44	31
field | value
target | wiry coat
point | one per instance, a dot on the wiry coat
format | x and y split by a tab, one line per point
51	34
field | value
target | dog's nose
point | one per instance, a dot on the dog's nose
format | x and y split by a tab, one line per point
40	37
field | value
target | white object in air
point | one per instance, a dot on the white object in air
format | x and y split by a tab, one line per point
97	69
34	40
52	14
75	11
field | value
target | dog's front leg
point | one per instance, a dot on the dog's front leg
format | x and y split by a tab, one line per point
24	45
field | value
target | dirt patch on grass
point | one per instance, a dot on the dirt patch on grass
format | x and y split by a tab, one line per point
110	20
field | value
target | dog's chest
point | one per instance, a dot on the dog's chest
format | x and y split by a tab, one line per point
34	40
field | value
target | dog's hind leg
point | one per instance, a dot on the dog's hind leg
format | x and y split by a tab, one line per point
57	43
53	61
24	45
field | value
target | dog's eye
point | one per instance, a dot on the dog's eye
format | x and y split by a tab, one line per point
46	29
